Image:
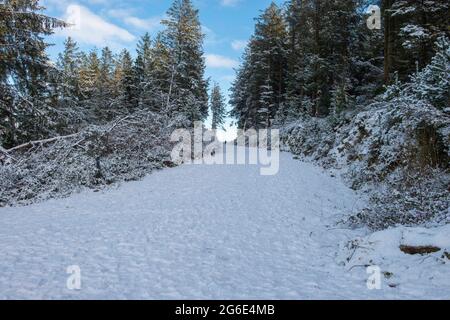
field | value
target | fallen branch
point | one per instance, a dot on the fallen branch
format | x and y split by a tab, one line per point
54	139
39	142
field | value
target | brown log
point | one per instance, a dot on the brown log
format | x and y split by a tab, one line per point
419	249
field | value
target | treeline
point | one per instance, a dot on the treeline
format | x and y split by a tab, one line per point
41	99
318	57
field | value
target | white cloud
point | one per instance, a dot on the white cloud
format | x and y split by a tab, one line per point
229	3
145	24
120	12
89	28
238	45
217	61
126	15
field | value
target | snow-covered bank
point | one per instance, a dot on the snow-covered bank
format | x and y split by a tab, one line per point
396	146
197	231
397	151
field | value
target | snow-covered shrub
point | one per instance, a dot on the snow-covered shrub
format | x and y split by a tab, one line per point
310	137
126	149
415	198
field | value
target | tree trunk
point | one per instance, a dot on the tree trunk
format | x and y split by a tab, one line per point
388	40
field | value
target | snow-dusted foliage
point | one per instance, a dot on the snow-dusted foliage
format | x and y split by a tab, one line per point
410	198
397	148
123	150
433	83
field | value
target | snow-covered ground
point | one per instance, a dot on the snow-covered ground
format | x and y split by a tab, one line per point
208	232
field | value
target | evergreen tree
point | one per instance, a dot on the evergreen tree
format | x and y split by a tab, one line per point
68	65
411	29
433	82
125	82
143	71
366	56
266	105
240	92
299	36
24	71
269	48
105	87
89	78
183	37
265	71
70	114
218	107
328	62
161	73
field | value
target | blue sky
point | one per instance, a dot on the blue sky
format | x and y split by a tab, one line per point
228	24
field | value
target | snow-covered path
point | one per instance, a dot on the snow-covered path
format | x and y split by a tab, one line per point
191	232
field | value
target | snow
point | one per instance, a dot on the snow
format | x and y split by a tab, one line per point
203	232
403	270
439	237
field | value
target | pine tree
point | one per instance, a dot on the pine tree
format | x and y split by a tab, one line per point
270	50
218	107
433	83
24	70
298	58
161	73
298	38
334	24
105	94
183	37
264	71
69	112
366	73
143	70
411	30
240	92
68	65
125	83
89	78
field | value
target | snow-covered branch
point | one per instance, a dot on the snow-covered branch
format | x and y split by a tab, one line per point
38	142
